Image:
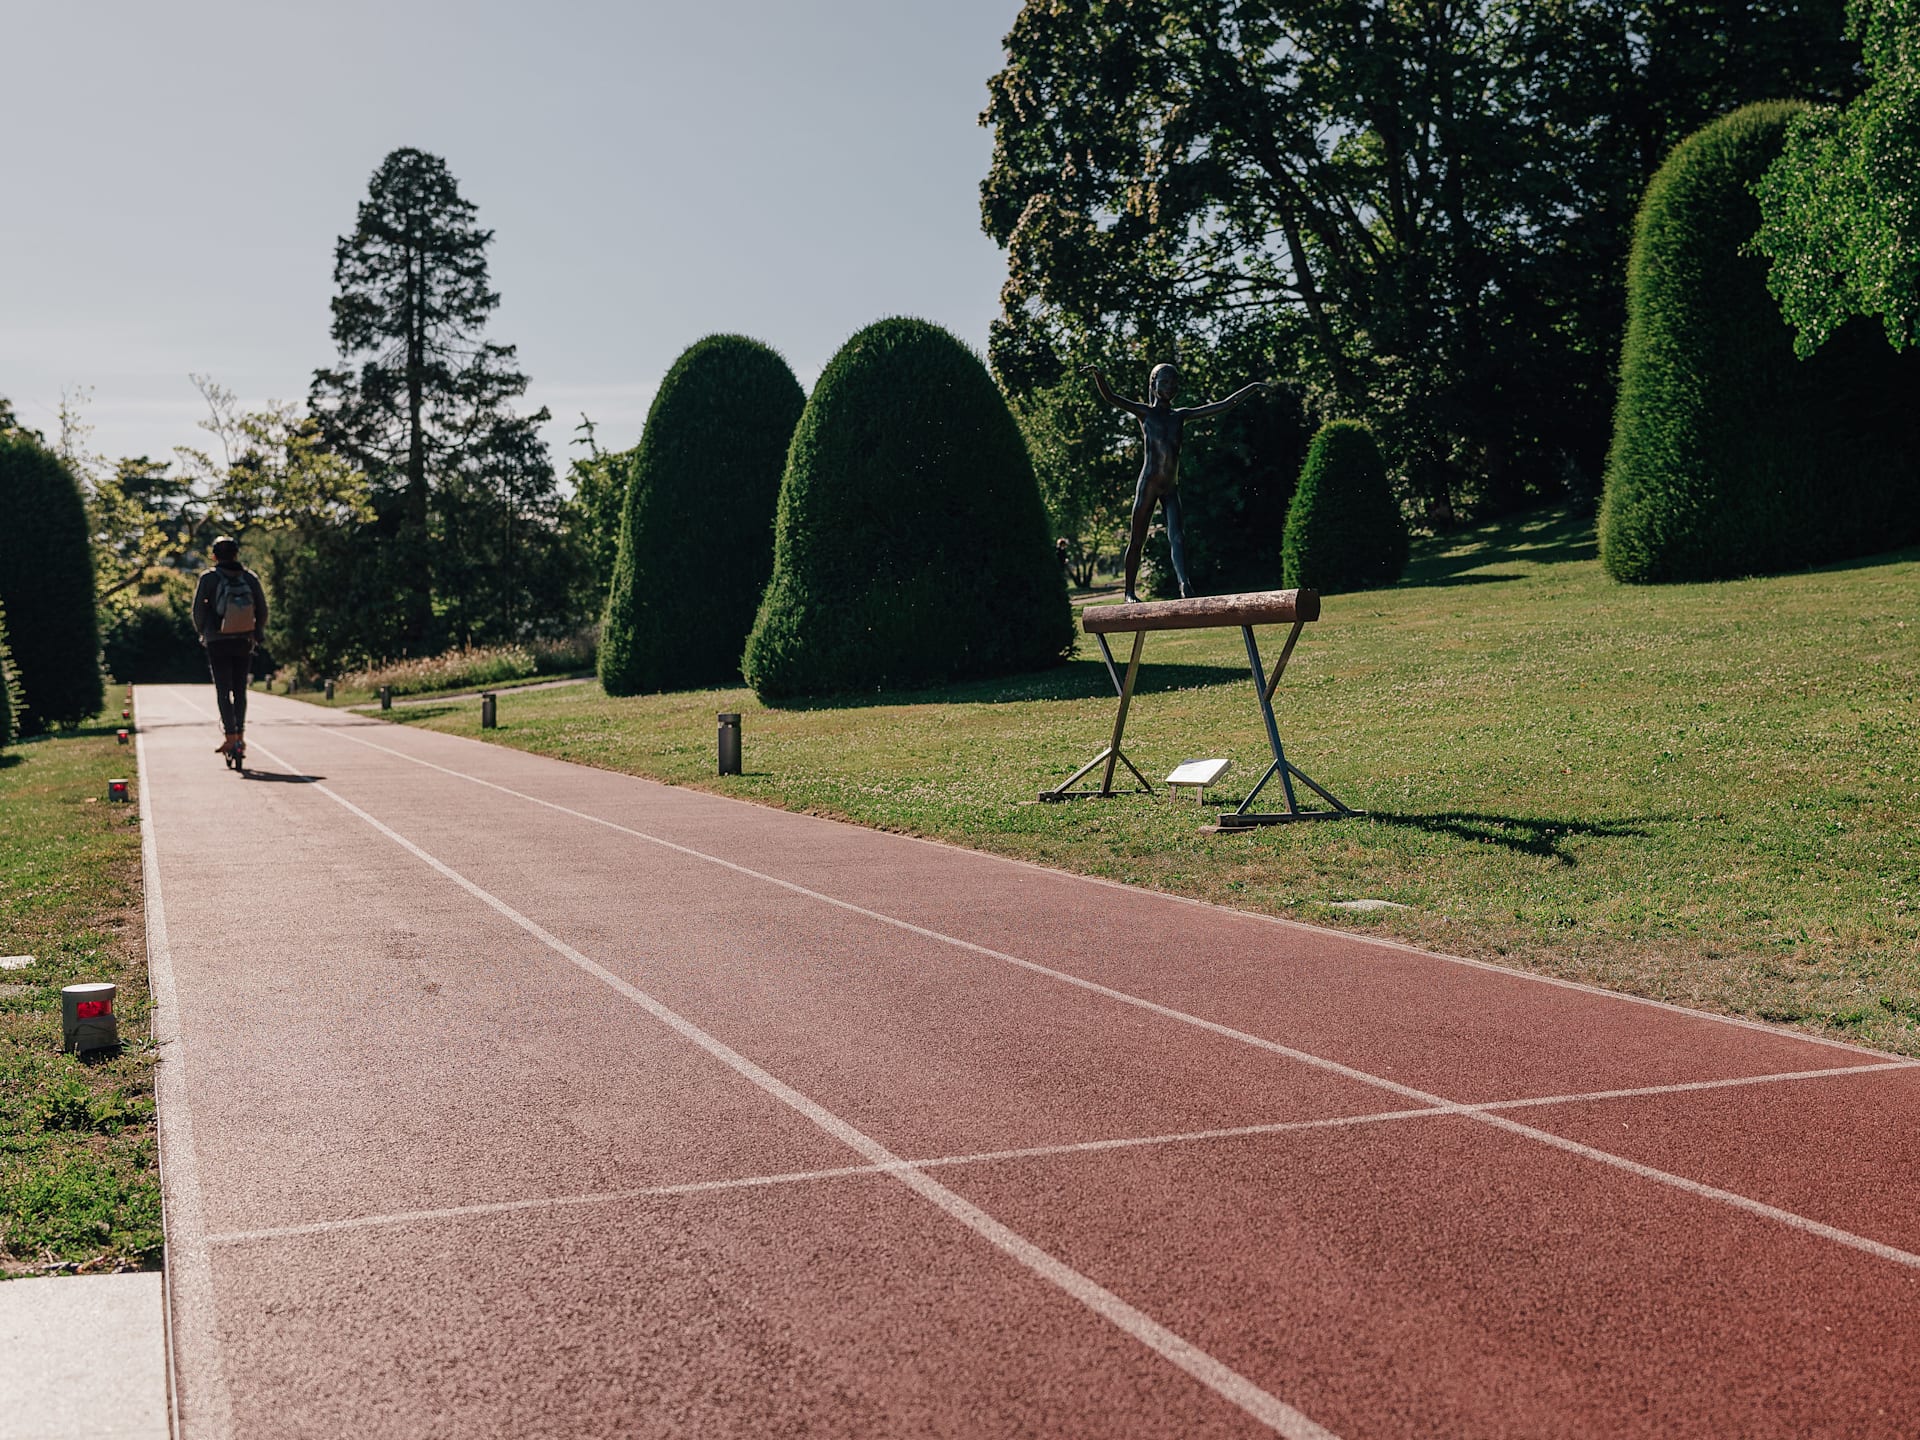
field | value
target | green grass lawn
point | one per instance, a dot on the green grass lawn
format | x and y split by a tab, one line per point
79	1188
1704	793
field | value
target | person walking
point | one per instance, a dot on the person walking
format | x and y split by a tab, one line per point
230	614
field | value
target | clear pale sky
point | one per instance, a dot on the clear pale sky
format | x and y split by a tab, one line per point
175	177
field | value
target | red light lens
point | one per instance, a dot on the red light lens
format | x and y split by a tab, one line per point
93	1009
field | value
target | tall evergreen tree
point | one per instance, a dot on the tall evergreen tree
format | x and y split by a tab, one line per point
462	485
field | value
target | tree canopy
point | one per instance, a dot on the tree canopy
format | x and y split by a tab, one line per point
1840	208
421	403
1420	212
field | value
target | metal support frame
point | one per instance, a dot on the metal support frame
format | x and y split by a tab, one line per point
1113	756
1246	817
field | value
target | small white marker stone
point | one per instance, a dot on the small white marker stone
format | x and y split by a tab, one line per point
1365	905
15	962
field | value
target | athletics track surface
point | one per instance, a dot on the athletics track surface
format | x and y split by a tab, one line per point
501	1096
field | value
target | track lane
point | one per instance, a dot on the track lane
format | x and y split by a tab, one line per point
1062	1186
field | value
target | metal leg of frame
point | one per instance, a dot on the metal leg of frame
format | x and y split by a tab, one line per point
1263	689
1113	756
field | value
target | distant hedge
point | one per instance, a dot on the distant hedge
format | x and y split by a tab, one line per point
911	546
696	538
46	587
1730	456
1344	528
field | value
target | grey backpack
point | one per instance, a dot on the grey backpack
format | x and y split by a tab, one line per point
233	601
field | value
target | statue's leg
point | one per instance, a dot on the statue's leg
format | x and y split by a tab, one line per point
1142	517
1176	542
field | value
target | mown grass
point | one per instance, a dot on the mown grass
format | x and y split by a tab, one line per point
79	1185
1706	793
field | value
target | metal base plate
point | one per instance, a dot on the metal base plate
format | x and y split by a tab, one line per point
1231	821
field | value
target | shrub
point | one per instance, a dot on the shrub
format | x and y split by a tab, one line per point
911	546
696	536
1344	528
1730	456
9	689
46	587
152	641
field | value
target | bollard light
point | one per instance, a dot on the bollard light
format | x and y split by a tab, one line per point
329	689
117	790
86	1017
123	736
729	744
488	712
386	697
127	714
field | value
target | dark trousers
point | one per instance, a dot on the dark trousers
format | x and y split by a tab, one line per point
231	663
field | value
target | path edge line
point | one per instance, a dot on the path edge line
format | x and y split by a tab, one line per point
186	1271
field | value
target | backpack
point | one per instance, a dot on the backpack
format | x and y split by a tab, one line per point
233	601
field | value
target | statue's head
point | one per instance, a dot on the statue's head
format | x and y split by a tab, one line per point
1163	383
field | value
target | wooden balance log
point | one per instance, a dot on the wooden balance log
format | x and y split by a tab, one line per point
1207	612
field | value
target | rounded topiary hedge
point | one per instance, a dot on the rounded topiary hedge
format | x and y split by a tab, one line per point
1730	456
1344	528
911	546
46	587
696	538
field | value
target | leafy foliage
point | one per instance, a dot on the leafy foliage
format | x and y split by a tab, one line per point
466	541
1725	444
9	688
594	513
1344	528
46	587
911	544
1840	208
696	542
1417	211
152	641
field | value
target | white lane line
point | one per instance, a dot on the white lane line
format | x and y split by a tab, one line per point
799	1177
1030	1152
1213	1373
1425	1098
1284	922
193	1337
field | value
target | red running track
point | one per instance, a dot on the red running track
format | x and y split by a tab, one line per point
501	1096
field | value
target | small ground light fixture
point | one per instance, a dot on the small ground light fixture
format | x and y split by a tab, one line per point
1197	775
729	743
127	714
329	689
86	1017
386	697
123	736
489	710
117	790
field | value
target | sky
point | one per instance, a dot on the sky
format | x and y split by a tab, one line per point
176	176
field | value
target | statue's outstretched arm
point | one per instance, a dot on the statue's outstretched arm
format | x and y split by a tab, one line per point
1132	407
1220	407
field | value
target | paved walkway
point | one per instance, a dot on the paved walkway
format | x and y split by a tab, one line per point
83	1357
508	1097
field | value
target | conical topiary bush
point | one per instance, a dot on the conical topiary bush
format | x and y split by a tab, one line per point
911	546
1344	528
46	587
1730	455
696	538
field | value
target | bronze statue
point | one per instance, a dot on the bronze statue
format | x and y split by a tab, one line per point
1160	427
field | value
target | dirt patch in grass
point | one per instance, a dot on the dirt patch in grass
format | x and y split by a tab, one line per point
79	1181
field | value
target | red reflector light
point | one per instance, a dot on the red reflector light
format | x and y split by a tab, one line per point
93	1009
